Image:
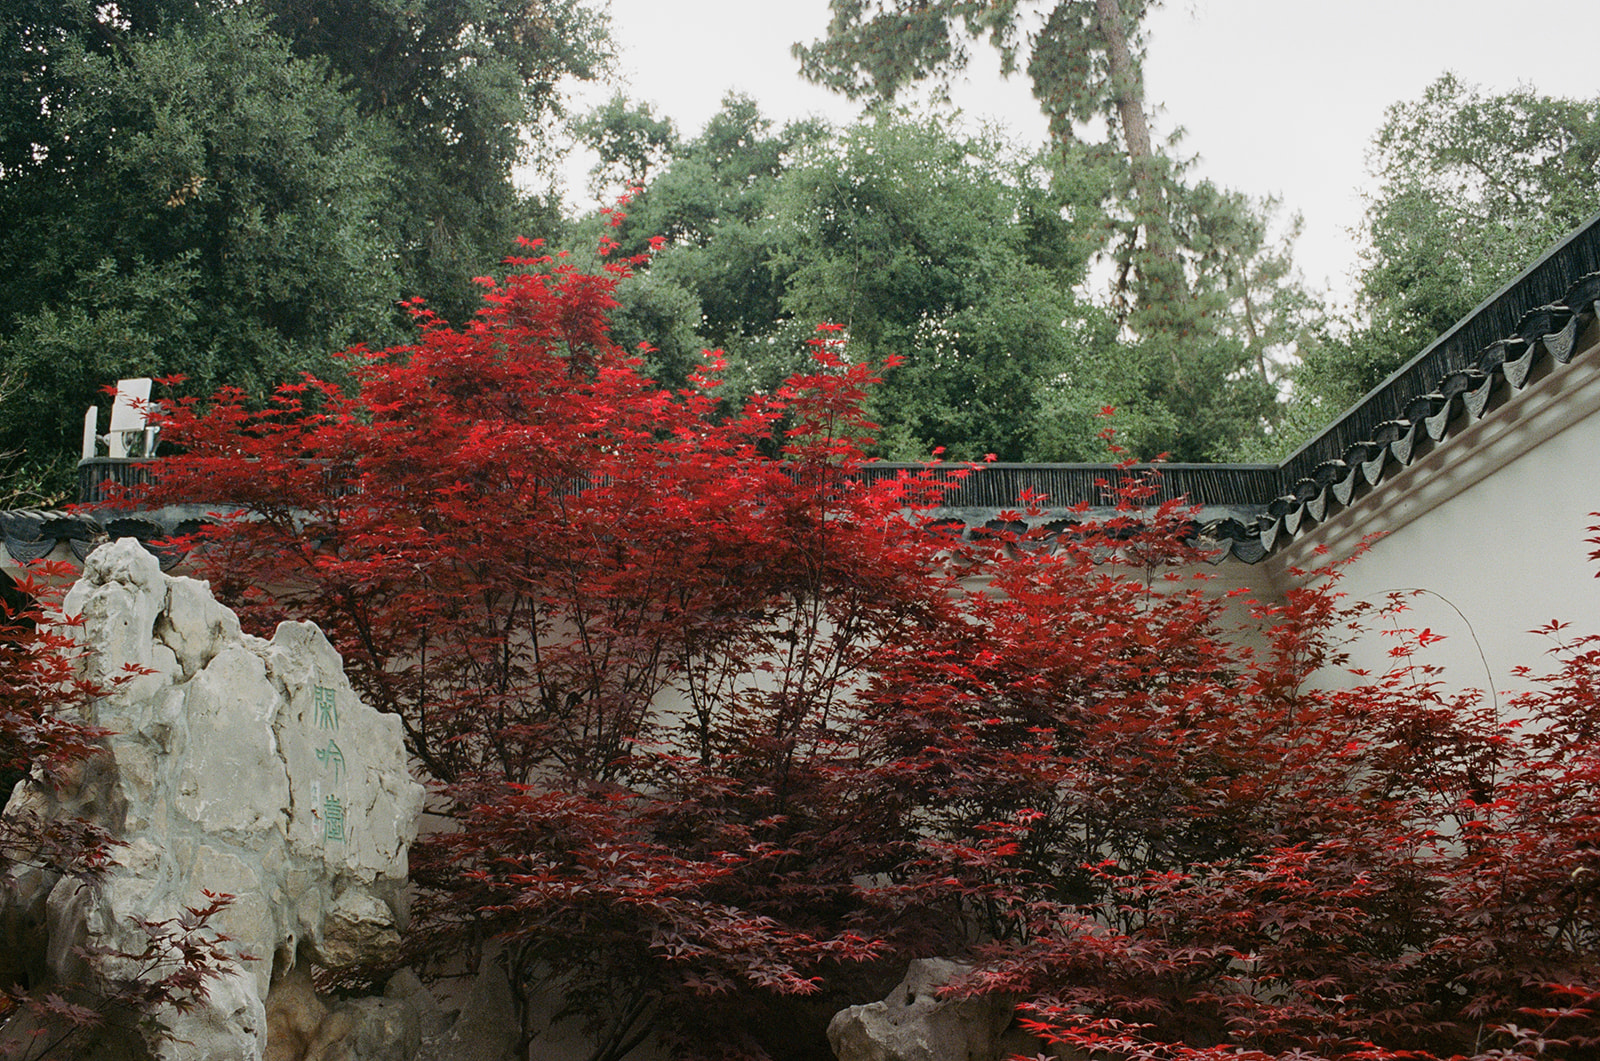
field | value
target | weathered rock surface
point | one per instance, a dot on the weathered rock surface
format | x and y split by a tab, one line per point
407	986
914	1024
487	1027
294	1013
368	1029
234	765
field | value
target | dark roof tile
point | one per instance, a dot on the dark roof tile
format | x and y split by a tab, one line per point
1583	294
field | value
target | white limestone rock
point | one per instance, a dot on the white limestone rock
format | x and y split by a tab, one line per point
357	924
234	765
914	1024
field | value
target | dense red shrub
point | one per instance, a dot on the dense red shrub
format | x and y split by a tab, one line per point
716	725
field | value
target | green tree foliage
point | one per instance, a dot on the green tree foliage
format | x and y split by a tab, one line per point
710	205
963	256
459	85
185	197
1207	299
631	140
1083	60
188	191
1469	188
959	255
1208	364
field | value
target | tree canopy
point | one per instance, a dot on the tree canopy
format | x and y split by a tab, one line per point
464	89
961	253
1083	60
957	255
237	192
1205	297
1469	187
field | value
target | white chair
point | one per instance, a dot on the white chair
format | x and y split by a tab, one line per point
90	427
130	433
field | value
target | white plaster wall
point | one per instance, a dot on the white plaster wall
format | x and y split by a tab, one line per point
1490	525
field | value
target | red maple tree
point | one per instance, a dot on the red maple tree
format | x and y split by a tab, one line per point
1183	849
622	638
724	734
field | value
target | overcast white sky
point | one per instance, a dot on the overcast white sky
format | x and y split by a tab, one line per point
1277	97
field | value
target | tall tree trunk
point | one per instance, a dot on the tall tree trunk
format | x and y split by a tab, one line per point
1159	270
1127	93
1127	89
